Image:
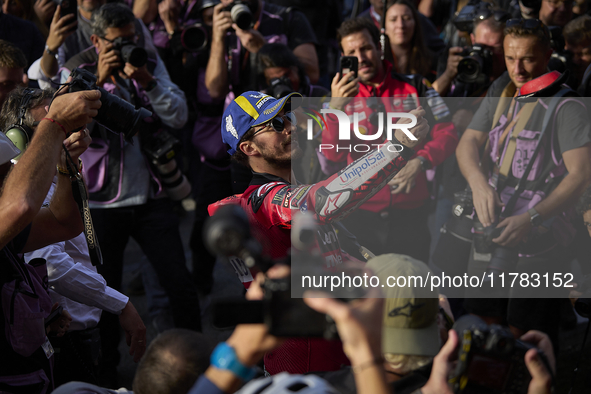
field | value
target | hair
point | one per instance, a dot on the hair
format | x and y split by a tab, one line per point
541	34
357	25
578	31
10	109
491	22
111	15
278	55
240	156
420	55
584	204
173	362
11	56
404	363
29	14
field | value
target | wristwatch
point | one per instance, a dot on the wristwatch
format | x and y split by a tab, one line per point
224	357
50	52
534	217
425	164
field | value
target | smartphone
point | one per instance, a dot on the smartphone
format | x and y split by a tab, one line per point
68	7
348	64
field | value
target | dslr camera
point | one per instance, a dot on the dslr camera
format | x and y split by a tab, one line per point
161	149
280	87
227	234
476	65
241	14
130	52
490	359
115	114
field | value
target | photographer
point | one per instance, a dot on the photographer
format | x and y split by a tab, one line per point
131	191
527	51
12	67
74	283
25	227
488	25
395	219
556	12
232	59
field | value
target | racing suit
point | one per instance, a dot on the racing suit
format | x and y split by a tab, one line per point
269	201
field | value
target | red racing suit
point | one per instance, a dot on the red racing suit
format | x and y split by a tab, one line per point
269	202
398	93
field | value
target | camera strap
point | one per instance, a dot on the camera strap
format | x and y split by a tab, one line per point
80	194
523	180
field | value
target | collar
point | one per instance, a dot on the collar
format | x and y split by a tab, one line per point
369	90
261	178
375	16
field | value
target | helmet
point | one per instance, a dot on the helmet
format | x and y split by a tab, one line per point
285	383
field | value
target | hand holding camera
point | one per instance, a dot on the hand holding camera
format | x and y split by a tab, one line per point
343	89
486	201
222	22
109	61
75	110
169	13
516	229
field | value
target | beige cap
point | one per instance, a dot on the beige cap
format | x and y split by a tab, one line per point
410	311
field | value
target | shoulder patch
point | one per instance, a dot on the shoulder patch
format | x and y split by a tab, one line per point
258	196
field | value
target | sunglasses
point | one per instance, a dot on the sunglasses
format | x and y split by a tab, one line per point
278	123
528	24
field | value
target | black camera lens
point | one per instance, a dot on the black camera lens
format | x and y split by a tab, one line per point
583	307
469	69
115	114
134	55
280	87
194	38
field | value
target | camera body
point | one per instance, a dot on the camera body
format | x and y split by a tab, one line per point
130	52
490	359
280	87
241	14
115	114
476	65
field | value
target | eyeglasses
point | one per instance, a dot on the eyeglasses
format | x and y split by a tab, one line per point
528	24
278	123
133	39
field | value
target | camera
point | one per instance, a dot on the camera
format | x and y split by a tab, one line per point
130	52
227	234
192	38
241	14
476	65
452	251
490	359
280	87
115	114
561	59
464	21
161	149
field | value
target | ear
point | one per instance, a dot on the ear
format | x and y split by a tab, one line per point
249	148
95	41
472	38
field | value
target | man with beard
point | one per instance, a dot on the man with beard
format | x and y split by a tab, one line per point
395	219
260	131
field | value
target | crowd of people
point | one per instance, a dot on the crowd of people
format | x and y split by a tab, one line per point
116	116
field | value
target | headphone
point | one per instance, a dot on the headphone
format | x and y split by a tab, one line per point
20	134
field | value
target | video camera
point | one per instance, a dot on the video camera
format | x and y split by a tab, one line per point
490	359
476	65
227	234
241	14
115	114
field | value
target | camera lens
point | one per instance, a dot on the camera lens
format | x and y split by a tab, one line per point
118	115
242	16
194	38
469	69
134	55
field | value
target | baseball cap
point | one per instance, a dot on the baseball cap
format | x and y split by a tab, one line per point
8	150
410	312
247	110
